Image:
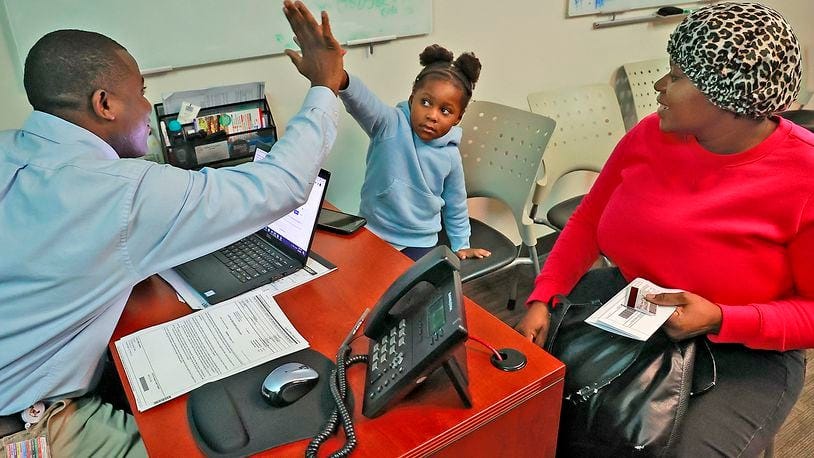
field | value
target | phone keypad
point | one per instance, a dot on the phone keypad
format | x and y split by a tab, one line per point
387	359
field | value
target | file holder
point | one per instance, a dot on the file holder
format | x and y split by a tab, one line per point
218	136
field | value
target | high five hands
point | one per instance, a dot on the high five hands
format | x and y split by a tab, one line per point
320	56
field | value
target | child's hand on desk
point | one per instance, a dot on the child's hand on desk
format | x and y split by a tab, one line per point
321	58
473	253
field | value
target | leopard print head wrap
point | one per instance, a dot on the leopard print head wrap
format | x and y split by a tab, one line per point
743	56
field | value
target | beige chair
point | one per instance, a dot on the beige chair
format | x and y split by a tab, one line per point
589	125
806	91
501	151
634	88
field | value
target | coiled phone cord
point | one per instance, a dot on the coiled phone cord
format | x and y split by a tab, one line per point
339	389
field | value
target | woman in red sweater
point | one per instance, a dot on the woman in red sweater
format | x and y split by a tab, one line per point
713	195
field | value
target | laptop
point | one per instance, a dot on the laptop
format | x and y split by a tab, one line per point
277	250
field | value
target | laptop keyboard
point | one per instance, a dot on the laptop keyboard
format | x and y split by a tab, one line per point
250	258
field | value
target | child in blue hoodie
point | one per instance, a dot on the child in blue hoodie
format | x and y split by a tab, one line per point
414	175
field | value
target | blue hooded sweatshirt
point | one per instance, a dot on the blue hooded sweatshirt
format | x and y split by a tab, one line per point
409	184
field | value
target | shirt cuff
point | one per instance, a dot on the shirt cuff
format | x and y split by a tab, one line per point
457	246
739	323
353	84
540	295
323	98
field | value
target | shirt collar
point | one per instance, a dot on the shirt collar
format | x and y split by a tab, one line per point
60	131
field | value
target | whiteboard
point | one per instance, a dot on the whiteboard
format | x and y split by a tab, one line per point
163	34
585	7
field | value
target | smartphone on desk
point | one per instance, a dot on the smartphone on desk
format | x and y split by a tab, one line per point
336	221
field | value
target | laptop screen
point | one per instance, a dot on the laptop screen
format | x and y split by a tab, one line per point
295	231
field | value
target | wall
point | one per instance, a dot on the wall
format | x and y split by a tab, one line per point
526	46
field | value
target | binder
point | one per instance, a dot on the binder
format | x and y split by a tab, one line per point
218	136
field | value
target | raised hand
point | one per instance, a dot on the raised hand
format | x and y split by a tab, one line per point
693	315
320	56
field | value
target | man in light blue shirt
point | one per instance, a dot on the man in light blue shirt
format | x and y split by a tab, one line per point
79	227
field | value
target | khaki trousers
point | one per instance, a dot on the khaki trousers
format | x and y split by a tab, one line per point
83	427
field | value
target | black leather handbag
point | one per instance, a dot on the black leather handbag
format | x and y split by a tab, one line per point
622	397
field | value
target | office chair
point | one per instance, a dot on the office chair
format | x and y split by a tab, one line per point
797	114
634	88
501	151
804	118
589	124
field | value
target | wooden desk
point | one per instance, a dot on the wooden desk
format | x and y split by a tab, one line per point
513	413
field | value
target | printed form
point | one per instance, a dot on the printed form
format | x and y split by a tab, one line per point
638	321
170	359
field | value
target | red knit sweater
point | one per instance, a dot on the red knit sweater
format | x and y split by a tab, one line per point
735	229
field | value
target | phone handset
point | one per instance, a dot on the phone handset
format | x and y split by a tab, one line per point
416	327
433	268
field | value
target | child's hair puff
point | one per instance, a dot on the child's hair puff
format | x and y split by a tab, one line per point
434	53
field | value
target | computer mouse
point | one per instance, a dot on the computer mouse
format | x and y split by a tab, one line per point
287	383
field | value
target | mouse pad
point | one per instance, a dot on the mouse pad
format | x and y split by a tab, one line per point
230	417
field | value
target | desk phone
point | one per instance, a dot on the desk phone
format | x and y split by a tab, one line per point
417	326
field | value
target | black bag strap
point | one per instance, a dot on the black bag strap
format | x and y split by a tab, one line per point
706	370
685	390
558	306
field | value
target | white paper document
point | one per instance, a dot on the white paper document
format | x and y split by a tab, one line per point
213	96
170	359
315	267
615	315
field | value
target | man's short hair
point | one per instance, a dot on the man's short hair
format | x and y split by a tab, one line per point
64	67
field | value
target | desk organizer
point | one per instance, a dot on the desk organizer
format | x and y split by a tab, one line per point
219	135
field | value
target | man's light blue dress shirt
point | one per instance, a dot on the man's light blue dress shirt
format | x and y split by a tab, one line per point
79	227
